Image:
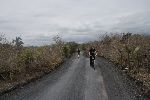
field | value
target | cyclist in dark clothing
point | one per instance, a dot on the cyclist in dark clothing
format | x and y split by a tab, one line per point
92	54
78	52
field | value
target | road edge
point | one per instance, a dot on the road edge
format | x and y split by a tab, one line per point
141	93
38	76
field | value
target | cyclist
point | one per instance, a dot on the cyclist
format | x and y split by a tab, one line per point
92	54
78	52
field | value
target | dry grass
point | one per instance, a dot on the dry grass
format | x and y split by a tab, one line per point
20	64
130	51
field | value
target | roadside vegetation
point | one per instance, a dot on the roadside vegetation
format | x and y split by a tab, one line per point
19	64
131	52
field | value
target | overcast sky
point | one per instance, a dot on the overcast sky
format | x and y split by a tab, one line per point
37	21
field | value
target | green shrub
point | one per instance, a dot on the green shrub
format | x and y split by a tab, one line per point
26	58
66	51
16	59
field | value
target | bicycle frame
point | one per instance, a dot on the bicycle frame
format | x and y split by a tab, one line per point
92	61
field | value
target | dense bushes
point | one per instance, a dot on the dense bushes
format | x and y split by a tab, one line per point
16	60
69	48
130	51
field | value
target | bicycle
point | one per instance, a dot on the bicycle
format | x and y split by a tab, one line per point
92	62
78	56
78	51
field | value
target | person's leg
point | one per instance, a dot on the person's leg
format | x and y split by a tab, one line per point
78	56
94	62
90	60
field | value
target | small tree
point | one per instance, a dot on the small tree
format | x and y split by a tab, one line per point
58	40
18	43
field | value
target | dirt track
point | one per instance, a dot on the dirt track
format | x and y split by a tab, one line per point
76	80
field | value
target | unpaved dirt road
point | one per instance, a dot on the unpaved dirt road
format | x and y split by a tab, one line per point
76	80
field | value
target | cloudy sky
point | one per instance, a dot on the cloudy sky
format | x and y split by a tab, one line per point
37	21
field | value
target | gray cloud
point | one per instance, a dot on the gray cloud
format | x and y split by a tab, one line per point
138	22
36	21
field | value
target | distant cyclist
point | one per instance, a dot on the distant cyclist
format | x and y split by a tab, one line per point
92	54
78	51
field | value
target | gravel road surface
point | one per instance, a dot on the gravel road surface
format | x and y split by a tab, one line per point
76	80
